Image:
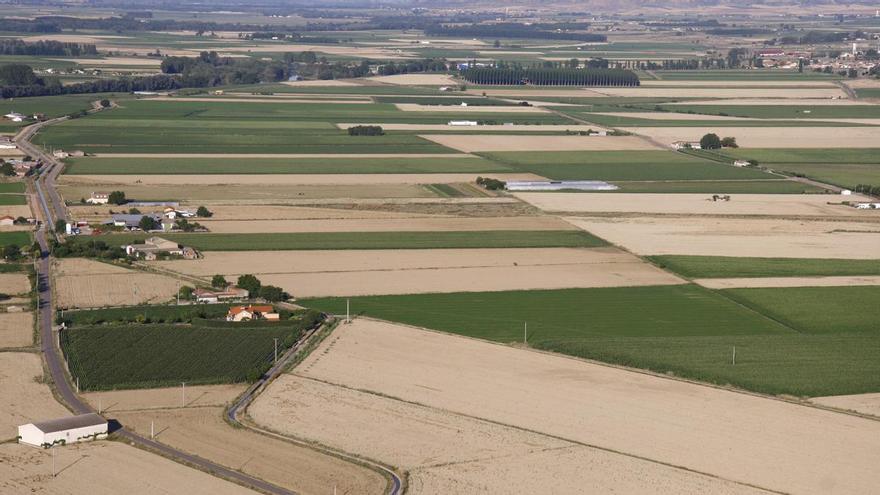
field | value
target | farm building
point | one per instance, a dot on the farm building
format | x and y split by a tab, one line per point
7	144
230	293
130	222
684	145
580	185
242	313
741	163
99	198
6	221
461	123
153	246
64	430
15	116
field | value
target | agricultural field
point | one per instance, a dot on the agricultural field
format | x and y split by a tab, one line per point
729	267
83	283
19	238
147	354
843	167
376	240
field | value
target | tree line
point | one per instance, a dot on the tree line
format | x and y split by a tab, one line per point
551	77
46	47
511	30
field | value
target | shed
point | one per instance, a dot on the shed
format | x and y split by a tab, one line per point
71	429
6	220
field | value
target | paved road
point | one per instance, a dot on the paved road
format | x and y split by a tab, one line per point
51	169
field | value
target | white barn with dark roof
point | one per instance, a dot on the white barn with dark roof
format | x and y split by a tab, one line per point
64	430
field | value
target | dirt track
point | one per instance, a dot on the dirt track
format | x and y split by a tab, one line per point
766	443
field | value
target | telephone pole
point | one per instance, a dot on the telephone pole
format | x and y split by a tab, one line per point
276	349
525	333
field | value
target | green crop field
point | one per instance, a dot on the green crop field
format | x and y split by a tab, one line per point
782	111
13	199
868	92
12	187
817	310
739	75
753	186
846	167
360	165
155	314
620	121
685	330
156	126
372	240
52	106
18	238
144	356
731	267
621	165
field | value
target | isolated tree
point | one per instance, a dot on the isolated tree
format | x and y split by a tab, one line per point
105	103
11	252
60	225
219	282
117	198
251	283
729	142
186	292
497	43
203	212
710	141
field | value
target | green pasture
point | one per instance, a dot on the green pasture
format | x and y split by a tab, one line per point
845	167
52	106
753	186
19	238
781	111
732	267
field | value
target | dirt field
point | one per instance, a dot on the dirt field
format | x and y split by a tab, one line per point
772	101
738	237
416	107
737	283
15	210
81	283
320	83
116	401
14	284
25	400
861	403
488	142
650	83
417	80
437	447
103	468
701	204
690	92
295	179
657	419
341	273
388	225
202	431
771	137
16	329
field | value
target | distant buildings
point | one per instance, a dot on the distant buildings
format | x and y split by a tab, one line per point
153	247
98	198
231	293
459	123
253	312
562	185
686	145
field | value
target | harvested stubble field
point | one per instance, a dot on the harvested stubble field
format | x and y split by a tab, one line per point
446	374
329	273
747	186
294	241
82	283
445	452
27	399
798	205
861	403
515	128
202	431
12	284
115	401
470	143
16	329
756	238
119	467
691	92
330	164
771	137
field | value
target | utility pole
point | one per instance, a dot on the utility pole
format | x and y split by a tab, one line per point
183	394
53	463
77	384
348	310
734	356
525	333
178	292
152	429
99	405
276	349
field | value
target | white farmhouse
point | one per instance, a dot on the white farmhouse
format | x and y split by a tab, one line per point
64	430
463	122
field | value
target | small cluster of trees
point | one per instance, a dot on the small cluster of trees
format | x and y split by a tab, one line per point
409	66
88	249
552	77
254	287
491	184
868	189
511	30
366	130
711	141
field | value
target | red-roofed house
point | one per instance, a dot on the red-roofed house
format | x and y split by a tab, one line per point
253	312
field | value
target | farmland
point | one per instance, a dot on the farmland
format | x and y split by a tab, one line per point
144	355
681	329
304	165
622	166
843	167
727	266
17	238
376	240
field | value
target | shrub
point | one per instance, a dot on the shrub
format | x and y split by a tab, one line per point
366	130
491	184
